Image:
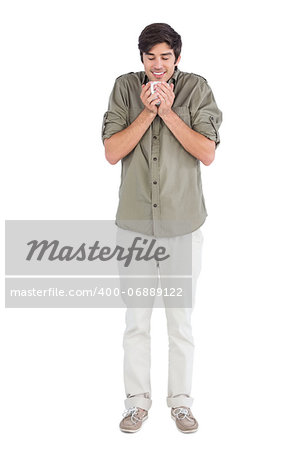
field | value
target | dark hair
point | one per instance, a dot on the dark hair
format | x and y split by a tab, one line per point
157	33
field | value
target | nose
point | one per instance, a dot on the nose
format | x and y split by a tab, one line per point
158	65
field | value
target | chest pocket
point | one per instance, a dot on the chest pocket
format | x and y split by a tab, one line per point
184	113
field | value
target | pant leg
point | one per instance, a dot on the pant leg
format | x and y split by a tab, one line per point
136	338
181	341
137	358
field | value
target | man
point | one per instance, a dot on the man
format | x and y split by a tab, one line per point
161	138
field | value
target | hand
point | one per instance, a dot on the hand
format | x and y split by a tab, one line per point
148	99
166	97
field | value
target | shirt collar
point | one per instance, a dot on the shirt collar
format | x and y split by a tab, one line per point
172	79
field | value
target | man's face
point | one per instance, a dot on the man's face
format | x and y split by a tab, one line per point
159	62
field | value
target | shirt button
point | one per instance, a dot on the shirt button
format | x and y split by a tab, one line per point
155	205
154	137
154	182
154	159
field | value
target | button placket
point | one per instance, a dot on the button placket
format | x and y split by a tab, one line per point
155	173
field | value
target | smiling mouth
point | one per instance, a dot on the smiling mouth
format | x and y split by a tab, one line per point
158	75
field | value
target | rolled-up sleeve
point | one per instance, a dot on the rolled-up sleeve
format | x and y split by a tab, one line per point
205	114
115	118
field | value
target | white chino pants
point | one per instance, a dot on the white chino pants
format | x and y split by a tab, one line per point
137	344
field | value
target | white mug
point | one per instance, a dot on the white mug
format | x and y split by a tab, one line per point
152	83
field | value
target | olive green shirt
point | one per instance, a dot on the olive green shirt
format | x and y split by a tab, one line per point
161	189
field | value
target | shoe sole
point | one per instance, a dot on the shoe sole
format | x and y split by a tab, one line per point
182	431
125	430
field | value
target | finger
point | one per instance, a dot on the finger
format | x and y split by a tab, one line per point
152	97
168	86
167	94
153	103
145	87
146	92
161	92
162	96
163	87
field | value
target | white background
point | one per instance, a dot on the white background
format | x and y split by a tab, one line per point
61	369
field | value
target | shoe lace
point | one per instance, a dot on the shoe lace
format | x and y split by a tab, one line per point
182	411
133	412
